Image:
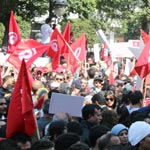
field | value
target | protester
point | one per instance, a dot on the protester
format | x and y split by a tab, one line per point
47	118
136	101
65	140
122	132
9	144
109	118
22	140
91	115
138	135
107	140
46	31
110	100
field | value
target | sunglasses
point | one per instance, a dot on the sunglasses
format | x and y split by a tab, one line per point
60	79
111	99
2	104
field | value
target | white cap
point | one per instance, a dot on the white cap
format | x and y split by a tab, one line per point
138	131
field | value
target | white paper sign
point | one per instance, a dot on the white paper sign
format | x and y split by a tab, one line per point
66	104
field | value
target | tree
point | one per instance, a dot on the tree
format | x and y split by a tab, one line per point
82	7
131	14
27	9
87	26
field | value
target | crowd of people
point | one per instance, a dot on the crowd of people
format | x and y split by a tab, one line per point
114	116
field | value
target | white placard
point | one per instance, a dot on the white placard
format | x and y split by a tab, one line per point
66	104
96	52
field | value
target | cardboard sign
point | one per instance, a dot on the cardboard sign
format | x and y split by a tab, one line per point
66	104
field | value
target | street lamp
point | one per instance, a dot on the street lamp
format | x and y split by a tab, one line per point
57	7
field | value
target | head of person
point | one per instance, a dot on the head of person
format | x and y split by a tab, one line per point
110	99
8	144
33	71
96	132
92	113
48	20
8	83
59	77
139	135
107	140
110	118
22	140
64	141
43	145
56	128
122	132
84	83
91	72
39	74
74	127
99	99
36	85
136	97
98	82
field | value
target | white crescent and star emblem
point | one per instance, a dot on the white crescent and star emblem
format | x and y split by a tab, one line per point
77	52
27	54
54	45
13	38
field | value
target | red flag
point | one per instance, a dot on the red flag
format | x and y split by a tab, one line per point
104	53
145	36
79	47
14	34
78	53
66	33
29	50
112	74
57	47
20	117
39	103
142	65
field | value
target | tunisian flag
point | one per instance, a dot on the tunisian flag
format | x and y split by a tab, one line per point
145	36
77	53
104	53
29	50
66	33
20	117
142	65
14	34
58	46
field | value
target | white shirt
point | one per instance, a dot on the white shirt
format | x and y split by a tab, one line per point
46	31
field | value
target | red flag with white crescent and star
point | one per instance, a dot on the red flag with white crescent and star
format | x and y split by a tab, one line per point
29	50
14	34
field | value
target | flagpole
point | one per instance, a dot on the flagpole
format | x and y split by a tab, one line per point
37	129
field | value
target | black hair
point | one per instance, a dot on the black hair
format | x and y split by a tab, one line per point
21	137
88	110
65	140
96	132
45	107
135	97
75	127
42	145
9	144
48	20
56	128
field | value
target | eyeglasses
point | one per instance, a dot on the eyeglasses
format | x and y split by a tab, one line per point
60	79
111	99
